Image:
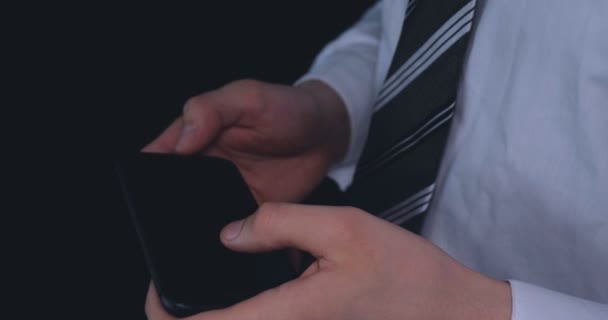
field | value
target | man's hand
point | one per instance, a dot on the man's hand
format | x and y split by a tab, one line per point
283	139
366	268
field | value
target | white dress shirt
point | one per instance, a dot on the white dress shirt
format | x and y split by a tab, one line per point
522	193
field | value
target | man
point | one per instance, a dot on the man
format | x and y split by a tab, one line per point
517	227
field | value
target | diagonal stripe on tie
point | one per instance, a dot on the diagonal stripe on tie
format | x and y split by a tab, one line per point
446	32
409	74
395	178
404	145
409	204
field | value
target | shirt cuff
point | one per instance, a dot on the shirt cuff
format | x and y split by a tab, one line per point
534	303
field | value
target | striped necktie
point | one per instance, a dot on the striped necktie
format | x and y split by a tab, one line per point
395	177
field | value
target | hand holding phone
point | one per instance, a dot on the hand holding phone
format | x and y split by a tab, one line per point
179	206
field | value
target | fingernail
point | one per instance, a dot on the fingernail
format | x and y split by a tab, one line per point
186	131
232	230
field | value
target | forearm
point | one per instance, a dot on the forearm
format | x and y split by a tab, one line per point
335	122
348	66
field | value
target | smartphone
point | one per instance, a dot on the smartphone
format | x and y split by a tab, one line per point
178	206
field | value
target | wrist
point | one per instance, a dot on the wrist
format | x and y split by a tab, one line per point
334	124
486	298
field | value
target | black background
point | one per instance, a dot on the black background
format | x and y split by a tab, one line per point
93	81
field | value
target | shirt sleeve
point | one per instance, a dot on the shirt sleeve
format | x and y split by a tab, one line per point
348	65
535	303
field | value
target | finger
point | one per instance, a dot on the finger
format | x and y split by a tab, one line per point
166	142
205	117
315	229
290	301
154	309
293	300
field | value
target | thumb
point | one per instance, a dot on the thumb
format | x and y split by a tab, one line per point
315	229
204	118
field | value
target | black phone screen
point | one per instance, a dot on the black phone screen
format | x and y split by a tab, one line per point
179	206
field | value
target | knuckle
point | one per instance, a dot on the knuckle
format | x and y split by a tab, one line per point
251	91
247	84
354	212
346	224
266	217
194	103
343	226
